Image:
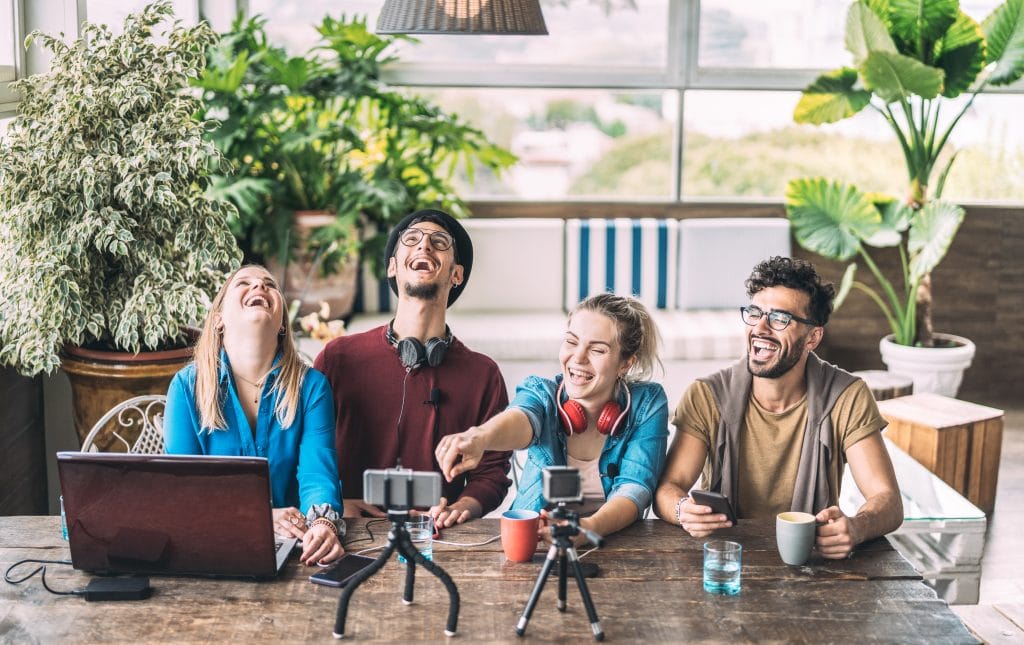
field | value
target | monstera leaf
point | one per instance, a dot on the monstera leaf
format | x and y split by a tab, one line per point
830	98
961	55
830	218
933	231
895	77
1004	32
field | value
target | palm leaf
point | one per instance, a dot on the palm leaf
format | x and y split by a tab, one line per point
1004	32
830	98
830	218
894	77
961	55
931	235
865	32
921	23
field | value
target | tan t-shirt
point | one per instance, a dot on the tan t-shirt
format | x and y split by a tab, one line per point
770	443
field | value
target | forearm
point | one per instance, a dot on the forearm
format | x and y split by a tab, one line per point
508	430
666	498
468	503
614	515
879	515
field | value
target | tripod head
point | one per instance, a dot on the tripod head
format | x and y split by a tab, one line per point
565	525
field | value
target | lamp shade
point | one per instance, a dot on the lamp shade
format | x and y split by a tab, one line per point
512	17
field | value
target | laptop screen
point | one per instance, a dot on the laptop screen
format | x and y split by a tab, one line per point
175	514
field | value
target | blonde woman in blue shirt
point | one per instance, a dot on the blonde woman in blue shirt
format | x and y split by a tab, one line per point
600	414
249	393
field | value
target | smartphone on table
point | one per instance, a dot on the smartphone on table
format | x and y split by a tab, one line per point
718	502
338	574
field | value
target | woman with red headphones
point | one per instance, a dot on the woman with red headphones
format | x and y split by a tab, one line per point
601	415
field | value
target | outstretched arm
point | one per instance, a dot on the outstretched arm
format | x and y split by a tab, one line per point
462	452
882	510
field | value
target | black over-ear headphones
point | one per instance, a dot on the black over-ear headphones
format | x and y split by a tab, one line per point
414	354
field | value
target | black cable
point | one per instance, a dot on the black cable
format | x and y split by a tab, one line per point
368	530
42	568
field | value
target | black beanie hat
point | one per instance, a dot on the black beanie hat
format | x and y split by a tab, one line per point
463	245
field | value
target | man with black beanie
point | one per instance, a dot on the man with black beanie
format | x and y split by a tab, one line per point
400	387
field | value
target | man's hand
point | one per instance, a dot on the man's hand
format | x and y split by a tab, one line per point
446	515
320	545
359	508
450	448
837	534
700	521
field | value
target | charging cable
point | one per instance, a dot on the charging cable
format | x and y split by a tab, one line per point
135	588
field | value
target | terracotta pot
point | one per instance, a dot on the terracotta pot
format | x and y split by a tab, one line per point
301	281
100	380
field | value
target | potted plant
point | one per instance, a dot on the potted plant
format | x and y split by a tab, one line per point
327	156
912	60
109	240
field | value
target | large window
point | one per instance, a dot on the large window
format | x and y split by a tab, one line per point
657	99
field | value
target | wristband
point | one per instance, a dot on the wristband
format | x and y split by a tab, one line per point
325	512
679	508
323	521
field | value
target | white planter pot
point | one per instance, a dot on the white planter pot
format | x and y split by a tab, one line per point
933	369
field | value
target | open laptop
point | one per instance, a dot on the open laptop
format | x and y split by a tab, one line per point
170	514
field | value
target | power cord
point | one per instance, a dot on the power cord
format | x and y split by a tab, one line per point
41	568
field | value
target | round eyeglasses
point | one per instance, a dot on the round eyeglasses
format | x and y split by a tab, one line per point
778	319
438	239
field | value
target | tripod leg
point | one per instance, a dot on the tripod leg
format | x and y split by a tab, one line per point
409	551
537	588
561	580
588	602
449	584
350	588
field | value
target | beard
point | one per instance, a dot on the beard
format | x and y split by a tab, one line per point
427	291
784	362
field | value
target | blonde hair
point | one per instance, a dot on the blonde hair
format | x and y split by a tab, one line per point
207	362
638	335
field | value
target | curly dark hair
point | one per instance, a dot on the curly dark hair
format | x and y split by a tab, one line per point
798	274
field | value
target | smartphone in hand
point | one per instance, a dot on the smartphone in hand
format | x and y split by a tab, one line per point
718	502
341	572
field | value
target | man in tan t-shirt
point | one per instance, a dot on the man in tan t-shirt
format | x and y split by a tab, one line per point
774	431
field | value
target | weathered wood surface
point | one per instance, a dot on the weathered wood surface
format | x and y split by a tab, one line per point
649	589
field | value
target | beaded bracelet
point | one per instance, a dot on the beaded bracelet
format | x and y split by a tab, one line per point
679	508
325	522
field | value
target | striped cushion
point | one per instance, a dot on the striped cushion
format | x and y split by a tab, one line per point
627	256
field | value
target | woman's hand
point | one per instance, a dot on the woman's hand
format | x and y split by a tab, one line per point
289	522
467	445
544	531
320	545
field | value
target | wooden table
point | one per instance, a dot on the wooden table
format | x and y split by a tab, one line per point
649	589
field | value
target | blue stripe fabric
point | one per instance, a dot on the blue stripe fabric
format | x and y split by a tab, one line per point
663	267
584	260
638	240
609	257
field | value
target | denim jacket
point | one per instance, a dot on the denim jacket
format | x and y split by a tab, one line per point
630	462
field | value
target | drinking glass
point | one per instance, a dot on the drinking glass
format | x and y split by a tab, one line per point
421	530
722	561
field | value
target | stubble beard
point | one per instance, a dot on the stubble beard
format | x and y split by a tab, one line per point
427	291
786	361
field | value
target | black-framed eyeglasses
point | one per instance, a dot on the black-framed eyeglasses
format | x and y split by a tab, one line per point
438	239
778	319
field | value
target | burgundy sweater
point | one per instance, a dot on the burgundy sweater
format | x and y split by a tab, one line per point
366	377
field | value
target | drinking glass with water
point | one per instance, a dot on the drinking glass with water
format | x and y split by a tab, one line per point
722	562
421	530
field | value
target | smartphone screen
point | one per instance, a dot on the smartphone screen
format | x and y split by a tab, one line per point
339	574
718	502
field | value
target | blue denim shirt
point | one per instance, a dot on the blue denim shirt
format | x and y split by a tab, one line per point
302	459
637	450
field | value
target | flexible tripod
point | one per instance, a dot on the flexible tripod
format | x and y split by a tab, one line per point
564	552
399	540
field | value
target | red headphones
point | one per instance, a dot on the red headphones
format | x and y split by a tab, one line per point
574	417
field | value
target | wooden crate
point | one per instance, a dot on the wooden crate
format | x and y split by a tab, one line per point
960	442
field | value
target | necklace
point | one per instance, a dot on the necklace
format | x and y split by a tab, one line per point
258	384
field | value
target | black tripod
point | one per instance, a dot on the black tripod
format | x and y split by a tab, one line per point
399	540
564	552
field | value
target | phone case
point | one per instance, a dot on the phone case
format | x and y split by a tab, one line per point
343	571
718	502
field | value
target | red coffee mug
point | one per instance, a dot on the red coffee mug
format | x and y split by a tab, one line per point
519	534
